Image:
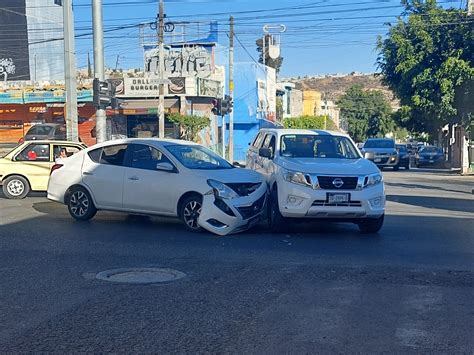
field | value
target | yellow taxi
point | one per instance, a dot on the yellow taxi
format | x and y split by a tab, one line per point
27	167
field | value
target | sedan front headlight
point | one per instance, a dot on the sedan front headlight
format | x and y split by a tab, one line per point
373	179
221	190
296	177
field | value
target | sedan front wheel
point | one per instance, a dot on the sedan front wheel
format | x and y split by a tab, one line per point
190	212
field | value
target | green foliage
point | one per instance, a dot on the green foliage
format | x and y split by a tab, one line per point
368	113
190	125
427	60
310	122
272	63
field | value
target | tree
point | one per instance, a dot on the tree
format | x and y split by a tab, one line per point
310	122
273	63
427	60
190	125
368	113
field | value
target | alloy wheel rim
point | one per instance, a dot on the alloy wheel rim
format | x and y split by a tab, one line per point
79	203
15	187
191	213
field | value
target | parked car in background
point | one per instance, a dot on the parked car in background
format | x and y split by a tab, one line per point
430	156
160	177
45	131
26	168
382	152
404	156
317	175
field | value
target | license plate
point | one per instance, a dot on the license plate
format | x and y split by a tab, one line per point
377	160
338	198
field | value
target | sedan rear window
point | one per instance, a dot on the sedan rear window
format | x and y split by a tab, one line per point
379	143
113	155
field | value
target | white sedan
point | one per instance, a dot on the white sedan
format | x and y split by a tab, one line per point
160	177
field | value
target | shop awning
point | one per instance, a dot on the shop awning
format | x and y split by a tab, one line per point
146	107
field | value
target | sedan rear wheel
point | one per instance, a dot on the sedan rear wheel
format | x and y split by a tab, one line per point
80	204
190	211
16	187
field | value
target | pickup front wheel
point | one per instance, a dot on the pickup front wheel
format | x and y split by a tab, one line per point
276	221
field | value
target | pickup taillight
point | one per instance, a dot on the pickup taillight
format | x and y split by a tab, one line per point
55	167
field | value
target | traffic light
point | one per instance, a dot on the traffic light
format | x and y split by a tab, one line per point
226	105
217	107
103	92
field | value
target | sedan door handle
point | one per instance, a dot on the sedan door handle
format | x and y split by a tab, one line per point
87	173
133	178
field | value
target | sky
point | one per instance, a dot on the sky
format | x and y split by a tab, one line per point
322	37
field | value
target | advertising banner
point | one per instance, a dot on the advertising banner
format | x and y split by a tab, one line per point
14	54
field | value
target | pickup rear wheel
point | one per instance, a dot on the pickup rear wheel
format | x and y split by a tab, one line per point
371	225
16	187
276	221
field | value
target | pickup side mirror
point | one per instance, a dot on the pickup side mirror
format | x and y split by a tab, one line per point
165	167
265	153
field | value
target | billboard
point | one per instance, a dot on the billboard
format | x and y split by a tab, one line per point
14	54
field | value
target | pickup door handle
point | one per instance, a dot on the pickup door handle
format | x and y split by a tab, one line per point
133	178
87	173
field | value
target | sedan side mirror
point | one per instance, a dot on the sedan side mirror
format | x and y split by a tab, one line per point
265	153
165	167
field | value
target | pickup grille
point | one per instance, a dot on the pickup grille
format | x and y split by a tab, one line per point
327	182
323	203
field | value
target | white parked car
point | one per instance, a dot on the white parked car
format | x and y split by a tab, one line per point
160	177
318	174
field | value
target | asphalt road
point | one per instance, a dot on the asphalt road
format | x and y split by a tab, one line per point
318	289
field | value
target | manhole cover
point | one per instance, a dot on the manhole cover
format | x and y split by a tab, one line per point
140	275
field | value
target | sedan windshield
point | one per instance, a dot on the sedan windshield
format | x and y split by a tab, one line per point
197	157
317	146
379	143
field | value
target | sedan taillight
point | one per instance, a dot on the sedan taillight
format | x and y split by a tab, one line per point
55	167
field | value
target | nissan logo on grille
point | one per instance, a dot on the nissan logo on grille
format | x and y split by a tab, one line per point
338	183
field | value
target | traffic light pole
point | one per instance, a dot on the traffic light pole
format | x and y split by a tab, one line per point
231	89
70	72
99	72
161	69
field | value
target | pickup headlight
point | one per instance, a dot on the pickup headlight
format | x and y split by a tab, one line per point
373	180
221	190
296	177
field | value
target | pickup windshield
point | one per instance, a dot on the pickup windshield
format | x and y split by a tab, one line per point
317	146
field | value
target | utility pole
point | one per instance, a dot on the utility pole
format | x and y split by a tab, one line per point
264	49
470	7
161	69
70	72
99	72
231	89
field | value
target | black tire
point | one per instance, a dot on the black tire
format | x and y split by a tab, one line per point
190	211
16	187
276	222
80	204
371	225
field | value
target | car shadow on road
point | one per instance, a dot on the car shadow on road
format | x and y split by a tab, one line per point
424	187
31	194
441	203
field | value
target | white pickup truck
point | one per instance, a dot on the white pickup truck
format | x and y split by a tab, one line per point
319	175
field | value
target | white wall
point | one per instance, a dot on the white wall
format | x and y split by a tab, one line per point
45	22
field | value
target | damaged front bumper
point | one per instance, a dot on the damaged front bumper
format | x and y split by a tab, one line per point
227	216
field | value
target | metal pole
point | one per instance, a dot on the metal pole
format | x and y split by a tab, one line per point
161	69
99	72
264	50
70	72
470	7
231	89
